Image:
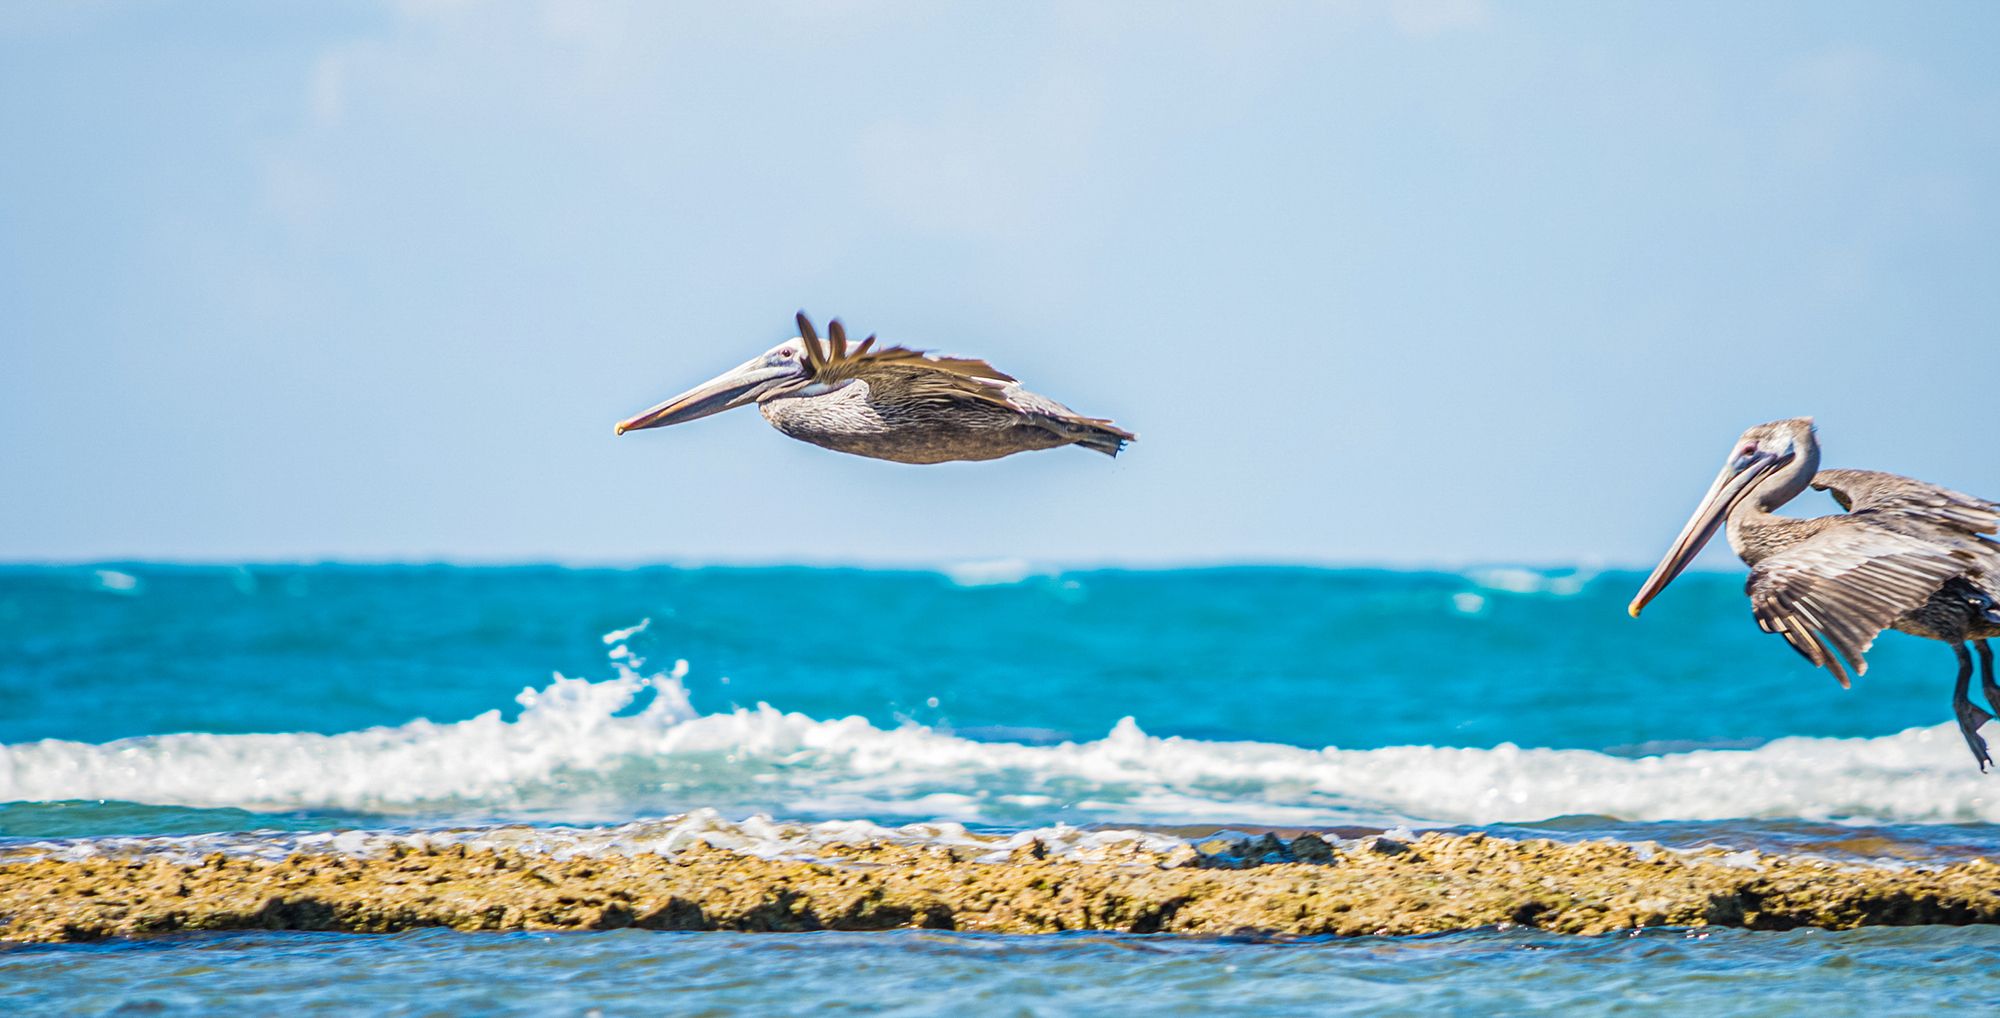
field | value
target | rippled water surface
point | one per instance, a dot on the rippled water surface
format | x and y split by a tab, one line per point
1862	972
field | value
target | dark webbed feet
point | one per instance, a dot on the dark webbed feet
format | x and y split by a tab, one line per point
1970	717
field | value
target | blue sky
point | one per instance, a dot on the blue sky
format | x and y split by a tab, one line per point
1375	281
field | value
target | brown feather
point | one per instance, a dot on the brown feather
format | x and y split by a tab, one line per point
964	367
835	362
1832	594
1875	492
815	357
960	393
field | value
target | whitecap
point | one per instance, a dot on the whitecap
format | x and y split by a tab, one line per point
635	745
113	581
1510	580
993	572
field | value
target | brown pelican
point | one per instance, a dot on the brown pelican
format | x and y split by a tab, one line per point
889	403
1906	555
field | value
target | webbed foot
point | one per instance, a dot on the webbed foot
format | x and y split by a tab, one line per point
1969	720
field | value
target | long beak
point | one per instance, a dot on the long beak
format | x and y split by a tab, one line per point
1736	479
724	392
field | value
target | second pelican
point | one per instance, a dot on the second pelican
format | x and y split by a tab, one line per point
1906	555
889	403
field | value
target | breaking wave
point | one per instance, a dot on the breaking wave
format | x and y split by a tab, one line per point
634	745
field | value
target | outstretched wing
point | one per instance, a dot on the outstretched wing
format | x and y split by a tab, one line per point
1921	535
1830	595
1902	539
1903	502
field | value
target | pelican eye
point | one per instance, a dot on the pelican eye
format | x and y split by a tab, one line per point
787	352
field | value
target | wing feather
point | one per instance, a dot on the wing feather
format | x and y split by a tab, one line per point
864	359
1832	594
815	355
930	377
923	375
1876	493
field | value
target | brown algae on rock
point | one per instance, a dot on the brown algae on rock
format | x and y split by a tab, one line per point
1305	887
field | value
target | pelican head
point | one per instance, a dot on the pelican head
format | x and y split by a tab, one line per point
780	371
1782	449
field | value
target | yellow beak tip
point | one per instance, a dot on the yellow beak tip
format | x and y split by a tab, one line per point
618	429
1632	610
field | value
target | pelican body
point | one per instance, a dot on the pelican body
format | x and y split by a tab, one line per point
1906	555
889	403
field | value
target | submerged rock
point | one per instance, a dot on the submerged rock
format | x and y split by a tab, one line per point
1302	888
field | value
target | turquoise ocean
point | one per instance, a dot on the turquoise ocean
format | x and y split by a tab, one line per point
263	708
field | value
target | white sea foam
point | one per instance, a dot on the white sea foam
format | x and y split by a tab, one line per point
1563	583
757	835
993	572
634	745
115	582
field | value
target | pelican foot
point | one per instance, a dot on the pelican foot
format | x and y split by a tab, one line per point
1969	720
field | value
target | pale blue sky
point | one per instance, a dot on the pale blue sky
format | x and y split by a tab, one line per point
1374	281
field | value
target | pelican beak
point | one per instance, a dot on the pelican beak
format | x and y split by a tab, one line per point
1737	478
723	392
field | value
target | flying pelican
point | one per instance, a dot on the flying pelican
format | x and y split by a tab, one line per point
1906	555
890	403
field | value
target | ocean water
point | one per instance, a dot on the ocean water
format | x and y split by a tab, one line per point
257	708
920	972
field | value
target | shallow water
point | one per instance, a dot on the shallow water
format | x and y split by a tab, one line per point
1858	972
262	709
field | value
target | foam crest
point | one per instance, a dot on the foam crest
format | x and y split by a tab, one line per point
633	745
1559	583
1004	572
758	835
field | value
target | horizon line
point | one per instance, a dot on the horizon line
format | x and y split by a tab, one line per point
1025	566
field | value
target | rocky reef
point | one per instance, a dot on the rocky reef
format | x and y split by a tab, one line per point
1304	886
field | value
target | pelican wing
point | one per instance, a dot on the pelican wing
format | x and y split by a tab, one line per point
1909	502
864	360
831	359
920	375
1098	432
1831	594
897	374
900	374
